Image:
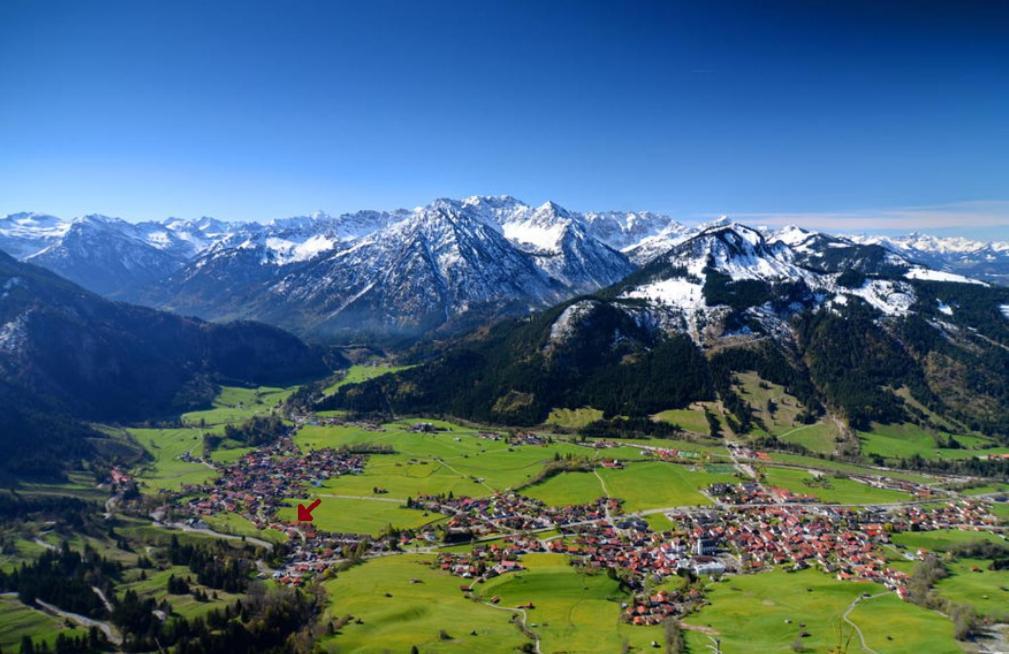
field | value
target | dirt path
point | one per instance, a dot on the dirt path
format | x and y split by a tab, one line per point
367	498
525	624
798	429
481	482
602	482
606	491
851	607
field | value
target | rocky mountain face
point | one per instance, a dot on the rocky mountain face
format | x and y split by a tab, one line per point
112	256
435	269
443	267
24	234
843	325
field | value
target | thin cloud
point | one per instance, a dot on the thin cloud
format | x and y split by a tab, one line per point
958	215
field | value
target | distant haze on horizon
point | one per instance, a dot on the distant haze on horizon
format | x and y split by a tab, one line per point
982	221
844	117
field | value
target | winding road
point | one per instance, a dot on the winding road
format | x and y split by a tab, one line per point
110	632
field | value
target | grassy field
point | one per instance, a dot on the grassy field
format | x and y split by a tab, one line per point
906	440
167	471
941	540
702	448
397	614
156	587
232	405
850	468
757	393
79	484
893	626
642	486
972	583
574	418
567	488
494	464
573	613
232	523
362	373
236	404
1001	509
360	516
404	476
767	612
820	437
692	419
994	487
17	621
841	491
23	551
657	484
783	422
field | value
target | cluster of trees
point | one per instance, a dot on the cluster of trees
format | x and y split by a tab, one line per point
178	586
970	372
771	364
71	512
278	621
215	566
137	621
64	578
928	571
303	400
979	549
260	430
630	427
994	468
517	373
852	359
719	289
91	643
38	438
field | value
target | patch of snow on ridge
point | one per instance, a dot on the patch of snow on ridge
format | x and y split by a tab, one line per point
1005	310
891	298
563	327
677	291
311	247
13	334
288	251
791	235
542	237
944	308
927	274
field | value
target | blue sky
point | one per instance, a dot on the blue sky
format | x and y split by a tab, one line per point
834	113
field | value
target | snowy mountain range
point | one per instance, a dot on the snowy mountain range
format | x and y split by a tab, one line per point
447	265
733	280
847	326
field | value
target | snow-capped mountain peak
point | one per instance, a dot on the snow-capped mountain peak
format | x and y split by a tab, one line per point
791	235
414	269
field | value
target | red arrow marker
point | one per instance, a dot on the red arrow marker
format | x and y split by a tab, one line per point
305	514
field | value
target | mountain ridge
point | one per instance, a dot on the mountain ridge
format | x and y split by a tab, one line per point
730	299
333	278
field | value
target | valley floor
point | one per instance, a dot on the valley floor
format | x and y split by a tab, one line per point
452	538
